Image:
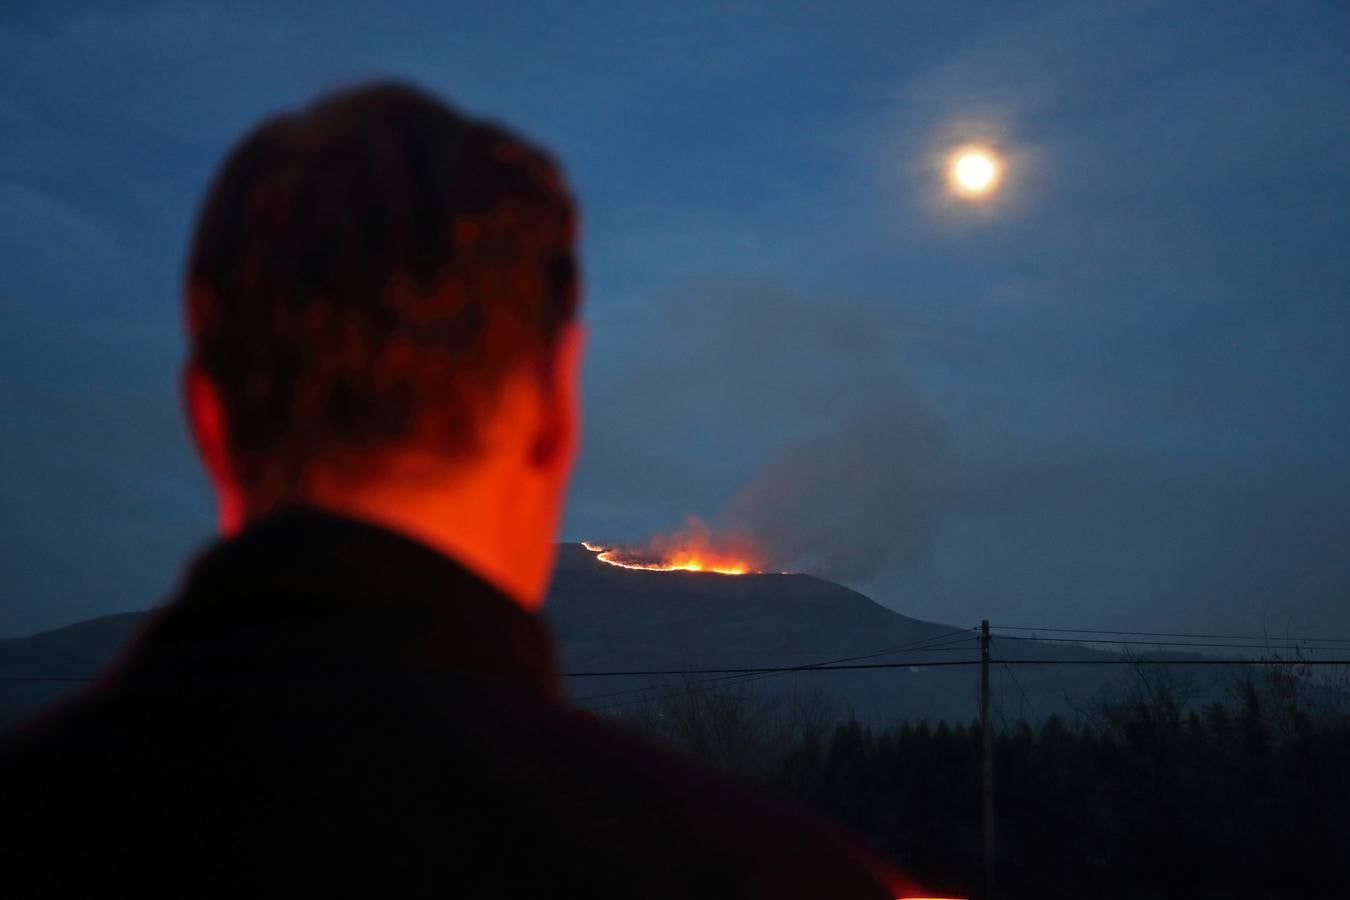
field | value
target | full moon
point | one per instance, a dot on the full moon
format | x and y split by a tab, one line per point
974	172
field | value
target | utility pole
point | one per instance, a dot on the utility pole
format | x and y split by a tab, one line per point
987	738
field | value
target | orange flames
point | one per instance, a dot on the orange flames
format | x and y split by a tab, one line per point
688	550
679	561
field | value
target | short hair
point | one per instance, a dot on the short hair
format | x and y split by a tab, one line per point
363	274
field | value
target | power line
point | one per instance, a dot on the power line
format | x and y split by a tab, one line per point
775	668
740	678
1229	646
656	693
1180	634
656	687
926	642
910	664
659	692
1174	662
918	664
933	643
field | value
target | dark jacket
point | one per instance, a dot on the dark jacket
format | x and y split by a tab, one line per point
329	706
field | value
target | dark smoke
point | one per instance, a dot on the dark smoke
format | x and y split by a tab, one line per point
844	505
808	442
984	468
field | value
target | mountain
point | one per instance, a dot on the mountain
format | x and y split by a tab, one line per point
614	619
610	619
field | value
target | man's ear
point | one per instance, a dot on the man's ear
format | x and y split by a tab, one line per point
559	436
206	417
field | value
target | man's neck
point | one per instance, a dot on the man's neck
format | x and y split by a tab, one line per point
481	557
469	525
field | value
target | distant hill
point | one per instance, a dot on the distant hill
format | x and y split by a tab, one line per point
612	619
37	669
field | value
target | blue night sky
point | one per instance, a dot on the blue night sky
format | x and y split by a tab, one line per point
1115	396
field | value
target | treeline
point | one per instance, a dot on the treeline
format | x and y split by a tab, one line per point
1144	793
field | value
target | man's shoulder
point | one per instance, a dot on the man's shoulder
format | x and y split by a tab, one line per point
427	751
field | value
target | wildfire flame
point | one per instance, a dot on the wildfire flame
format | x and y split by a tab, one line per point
688	550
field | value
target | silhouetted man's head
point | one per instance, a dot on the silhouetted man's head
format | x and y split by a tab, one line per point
381	300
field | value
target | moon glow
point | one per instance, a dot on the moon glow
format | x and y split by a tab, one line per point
974	172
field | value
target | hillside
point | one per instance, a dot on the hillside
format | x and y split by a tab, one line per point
613	619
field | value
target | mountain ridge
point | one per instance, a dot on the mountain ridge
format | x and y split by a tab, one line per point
611	619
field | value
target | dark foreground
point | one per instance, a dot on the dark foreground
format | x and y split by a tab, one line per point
1141	796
